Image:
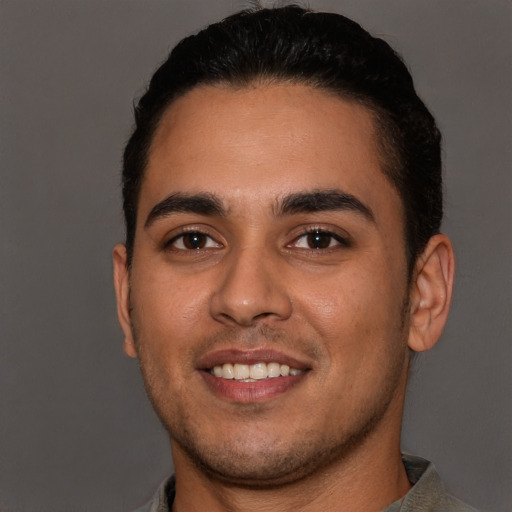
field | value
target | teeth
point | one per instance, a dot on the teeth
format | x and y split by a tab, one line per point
274	369
241	371
258	371
227	370
253	372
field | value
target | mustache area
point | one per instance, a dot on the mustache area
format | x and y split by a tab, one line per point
253	338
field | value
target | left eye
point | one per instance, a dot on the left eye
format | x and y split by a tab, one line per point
318	240
193	241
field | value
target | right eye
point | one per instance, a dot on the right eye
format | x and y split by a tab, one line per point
193	241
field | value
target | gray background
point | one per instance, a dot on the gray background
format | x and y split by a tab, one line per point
76	431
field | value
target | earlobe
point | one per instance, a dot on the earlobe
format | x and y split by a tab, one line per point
431	293
122	288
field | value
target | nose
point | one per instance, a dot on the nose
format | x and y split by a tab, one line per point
252	287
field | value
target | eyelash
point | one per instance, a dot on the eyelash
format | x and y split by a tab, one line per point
207	239
170	244
341	241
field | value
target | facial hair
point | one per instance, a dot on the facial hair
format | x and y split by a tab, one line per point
276	462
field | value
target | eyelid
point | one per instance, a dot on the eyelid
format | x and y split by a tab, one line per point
341	236
179	232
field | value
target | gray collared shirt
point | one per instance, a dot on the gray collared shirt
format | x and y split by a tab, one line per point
428	493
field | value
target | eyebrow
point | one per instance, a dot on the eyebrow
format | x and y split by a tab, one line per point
322	200
298	202
201	204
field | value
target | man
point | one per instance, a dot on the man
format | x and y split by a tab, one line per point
282	195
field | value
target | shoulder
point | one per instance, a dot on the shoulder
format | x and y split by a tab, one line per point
162	499
452	504
428	492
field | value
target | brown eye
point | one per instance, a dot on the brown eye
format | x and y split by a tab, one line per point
193	241
319	240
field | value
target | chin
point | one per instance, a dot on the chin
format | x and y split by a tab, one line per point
268	468
247	463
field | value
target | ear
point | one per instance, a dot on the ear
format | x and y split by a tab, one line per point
431	293
122	287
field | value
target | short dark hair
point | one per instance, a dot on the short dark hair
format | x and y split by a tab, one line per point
325	51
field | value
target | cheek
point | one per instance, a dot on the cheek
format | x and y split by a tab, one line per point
353	310
167	312
166	319
169	294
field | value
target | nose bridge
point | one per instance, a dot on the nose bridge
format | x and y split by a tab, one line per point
251	287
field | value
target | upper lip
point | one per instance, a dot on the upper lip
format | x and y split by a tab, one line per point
260	355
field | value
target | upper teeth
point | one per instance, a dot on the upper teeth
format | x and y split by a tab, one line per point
256	371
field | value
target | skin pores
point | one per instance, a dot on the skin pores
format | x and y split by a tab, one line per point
227	272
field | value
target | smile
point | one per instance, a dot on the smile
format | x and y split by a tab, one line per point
253	372
250	376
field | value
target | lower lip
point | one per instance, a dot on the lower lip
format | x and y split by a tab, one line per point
249	392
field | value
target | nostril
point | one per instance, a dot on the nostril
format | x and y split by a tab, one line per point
262	315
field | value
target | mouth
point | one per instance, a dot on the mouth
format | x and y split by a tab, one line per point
254	372
251	376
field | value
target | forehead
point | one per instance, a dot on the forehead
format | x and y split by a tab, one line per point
262	142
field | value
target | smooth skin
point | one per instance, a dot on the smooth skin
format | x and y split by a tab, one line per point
326	287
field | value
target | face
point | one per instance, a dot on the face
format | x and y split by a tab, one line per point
268	289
